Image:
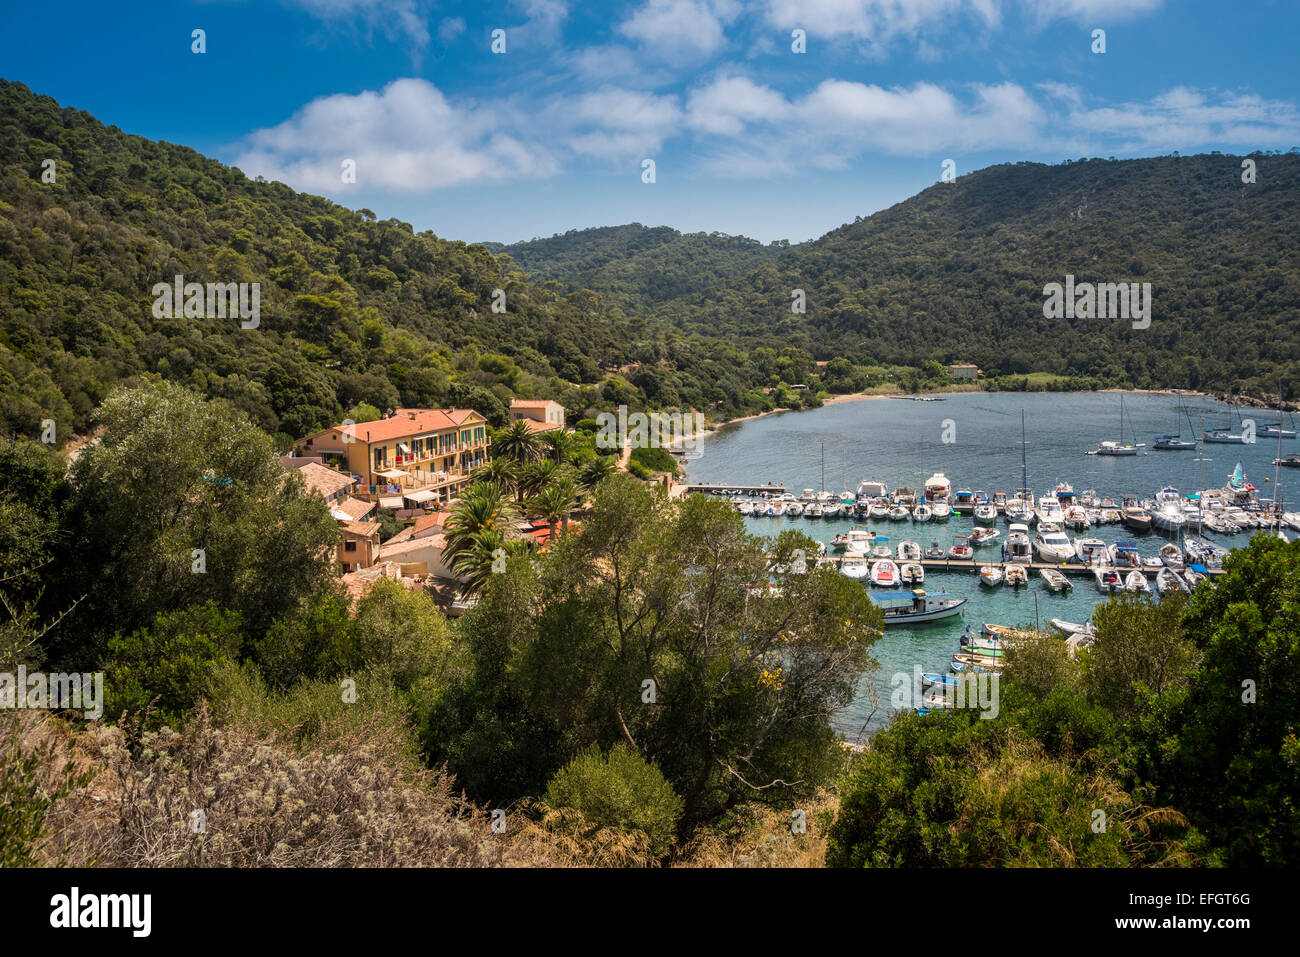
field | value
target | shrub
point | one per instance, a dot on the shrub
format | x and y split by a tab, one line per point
619	789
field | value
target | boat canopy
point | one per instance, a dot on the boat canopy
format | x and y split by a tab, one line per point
1199	569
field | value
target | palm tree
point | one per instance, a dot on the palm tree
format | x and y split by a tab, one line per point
503	472
537	476
483	558
554	503
559	443
485	508
592	472
517	442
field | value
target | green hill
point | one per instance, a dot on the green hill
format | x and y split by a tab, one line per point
957	273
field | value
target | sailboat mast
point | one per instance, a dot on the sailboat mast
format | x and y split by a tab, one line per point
1024	479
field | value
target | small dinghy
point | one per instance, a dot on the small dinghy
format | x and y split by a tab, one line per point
984	536
991	575
1015	576
911	573
1137	582
934	551
940	511
960	551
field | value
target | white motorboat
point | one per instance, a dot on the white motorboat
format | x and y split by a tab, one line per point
812	510
1051	544
1167	580
1125	555
794	509
884	573
1015	575
1171	557
909	552
1167	513
1136	581
1108	579
878	510
745	508
854	566
854	540
899	513
921	513
942	511
871	489
986	513
912	573
938	488
1055	580
1090	551
1019	548
1076	516
1049	511
991	575
1072	628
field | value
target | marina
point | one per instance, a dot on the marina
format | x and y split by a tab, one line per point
890	479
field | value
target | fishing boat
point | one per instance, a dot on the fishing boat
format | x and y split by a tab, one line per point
1136	518
991	575
1167	581
1051	544
854	566
1055	580
920	608
983	536
1019	548
960	551
940	511
1108	580
1137	582
1171	557
1015	575
909	552
921	513
911	573
884	573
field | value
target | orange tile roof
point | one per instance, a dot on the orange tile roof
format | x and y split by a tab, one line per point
531	403
355	508
324	481
426	523
535	426
405	423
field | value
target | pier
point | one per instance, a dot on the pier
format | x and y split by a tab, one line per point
744	488
973	566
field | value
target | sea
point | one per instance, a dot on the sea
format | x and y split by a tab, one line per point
975	440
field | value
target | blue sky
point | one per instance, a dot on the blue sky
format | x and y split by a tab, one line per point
747	136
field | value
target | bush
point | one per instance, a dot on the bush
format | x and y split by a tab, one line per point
620	789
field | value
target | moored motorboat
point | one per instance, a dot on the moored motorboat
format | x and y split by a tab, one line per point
983	536
911	573
884	573
1136	581
1051	544
1019	548
991	575
921	513
986	513
1108	579
940	511
920	608
960	551
1091	550
1015	575
1055	580
1171	557
899	513
854	566
1167	581
935	551
909	552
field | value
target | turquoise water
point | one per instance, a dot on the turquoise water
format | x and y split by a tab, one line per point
900	442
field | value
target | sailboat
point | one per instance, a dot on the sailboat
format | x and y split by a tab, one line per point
1274	430
1176	442
1020	508
1226	436
1118	448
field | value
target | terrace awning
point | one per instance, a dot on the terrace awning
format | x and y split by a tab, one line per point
393	474
390	501
421	497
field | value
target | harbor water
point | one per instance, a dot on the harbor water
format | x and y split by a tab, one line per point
975	440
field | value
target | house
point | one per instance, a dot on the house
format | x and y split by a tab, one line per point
358	545
329	484
418	548
542	415
429	450
964	370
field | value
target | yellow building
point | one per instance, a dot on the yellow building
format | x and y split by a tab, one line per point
426	454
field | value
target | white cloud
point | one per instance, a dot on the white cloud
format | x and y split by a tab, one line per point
406	137
392	16
449	29
674	27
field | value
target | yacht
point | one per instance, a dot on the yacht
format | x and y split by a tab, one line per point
872	489
1020	510
1168	513
1051	544
1019	548
855	540
1224	437
1136	518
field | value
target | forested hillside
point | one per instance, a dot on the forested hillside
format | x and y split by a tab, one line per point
352	310
957	273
